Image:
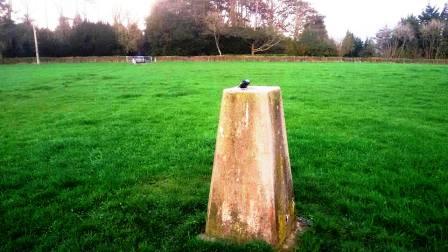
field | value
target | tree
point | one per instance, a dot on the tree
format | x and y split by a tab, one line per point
413	47
403	37
430	13
368	49
5	11
261	39
193	27
129	36
176	27
77	20
97	39
268	20
262	24
121	32
444	44
135	42
16	40
432	38
48	43
351	46
384	42
422	36
215	24
63	29
314	40
20	41
62	34
444	13
302	13
5	25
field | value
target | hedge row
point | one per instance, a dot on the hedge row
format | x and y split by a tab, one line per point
224	58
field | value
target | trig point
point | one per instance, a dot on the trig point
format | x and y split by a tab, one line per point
251	193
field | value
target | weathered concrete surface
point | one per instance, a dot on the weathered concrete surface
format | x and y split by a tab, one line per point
251	194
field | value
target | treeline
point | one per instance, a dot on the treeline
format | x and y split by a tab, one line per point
77	37
192	27
216	27
423	36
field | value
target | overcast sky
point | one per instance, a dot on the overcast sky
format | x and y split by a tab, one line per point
362	17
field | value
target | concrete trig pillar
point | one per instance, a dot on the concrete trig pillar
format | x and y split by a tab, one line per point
251	193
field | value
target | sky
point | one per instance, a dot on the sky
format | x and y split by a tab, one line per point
365	17
362	17
47	12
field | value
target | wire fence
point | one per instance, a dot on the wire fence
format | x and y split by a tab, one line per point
224	58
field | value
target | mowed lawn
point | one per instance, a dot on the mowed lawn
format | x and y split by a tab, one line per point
119	157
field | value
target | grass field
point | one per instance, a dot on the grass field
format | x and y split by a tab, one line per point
119	157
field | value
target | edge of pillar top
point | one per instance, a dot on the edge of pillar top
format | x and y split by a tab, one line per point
252	90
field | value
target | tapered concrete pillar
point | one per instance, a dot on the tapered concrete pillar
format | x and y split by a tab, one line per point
251	194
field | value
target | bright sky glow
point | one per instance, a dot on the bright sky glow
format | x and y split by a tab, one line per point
362	17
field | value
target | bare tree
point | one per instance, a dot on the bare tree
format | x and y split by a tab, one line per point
402	36
36	46
135	37
384	42
279	18
432	38
27	20
5	11
26	7
301	13
271	39
129	35
215	24
270	22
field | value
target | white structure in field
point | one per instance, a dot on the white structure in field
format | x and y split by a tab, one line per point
140	59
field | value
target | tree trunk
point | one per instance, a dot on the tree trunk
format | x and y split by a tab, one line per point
217	42
252	49
36	47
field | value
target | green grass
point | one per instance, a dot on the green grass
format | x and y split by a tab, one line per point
119	157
